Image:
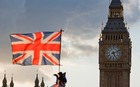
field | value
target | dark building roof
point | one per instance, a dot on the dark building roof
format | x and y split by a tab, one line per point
115	3
115	25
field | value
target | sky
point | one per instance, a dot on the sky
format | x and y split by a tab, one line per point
81	21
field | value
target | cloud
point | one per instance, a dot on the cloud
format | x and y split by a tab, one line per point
76	47
25	84
132	10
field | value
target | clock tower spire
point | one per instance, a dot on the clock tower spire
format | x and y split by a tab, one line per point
116	9
115	49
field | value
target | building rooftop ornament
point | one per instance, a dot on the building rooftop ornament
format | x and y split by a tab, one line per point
42	83
12	83
36	81
4	81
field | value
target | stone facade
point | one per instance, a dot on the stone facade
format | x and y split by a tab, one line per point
115	49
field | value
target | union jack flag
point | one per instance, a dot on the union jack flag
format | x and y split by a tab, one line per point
39	48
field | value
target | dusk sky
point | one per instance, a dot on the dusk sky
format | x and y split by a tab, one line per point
81	21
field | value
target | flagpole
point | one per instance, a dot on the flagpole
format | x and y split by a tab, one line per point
60	48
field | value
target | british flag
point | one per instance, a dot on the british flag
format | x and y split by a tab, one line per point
39	48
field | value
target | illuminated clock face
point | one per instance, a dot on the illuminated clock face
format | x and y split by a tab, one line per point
113	53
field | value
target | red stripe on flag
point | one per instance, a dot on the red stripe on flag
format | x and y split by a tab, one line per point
36	48
28	47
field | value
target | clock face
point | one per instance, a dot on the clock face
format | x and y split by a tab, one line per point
113	53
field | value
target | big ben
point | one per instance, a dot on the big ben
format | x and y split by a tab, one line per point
115	49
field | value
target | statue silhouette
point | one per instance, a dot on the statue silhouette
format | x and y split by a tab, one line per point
61	79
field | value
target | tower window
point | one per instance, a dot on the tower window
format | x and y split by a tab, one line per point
113	37
116	37
121	36
106	37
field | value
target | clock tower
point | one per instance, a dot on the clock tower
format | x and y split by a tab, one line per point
115	49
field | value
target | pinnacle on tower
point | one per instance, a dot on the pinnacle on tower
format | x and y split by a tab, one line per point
4	81
42	83
36	81
116	10
12	83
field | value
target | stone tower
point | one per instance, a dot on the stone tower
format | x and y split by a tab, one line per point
115	49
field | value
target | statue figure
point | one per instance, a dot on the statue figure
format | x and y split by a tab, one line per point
61	79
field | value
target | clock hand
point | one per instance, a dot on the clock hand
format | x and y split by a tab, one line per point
113	56
116	51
